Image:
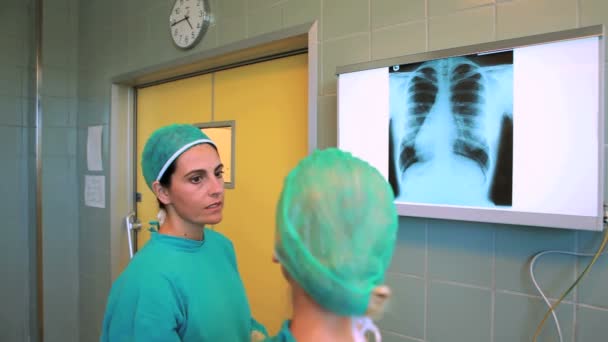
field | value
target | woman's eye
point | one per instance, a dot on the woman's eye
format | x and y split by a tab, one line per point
219	174
196	179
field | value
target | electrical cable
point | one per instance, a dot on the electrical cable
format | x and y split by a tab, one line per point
552	308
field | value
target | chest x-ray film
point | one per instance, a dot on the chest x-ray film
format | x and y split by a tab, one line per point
451	130
512	135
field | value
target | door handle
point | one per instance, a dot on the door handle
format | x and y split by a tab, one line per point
133	225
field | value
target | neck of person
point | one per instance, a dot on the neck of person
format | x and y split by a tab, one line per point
176	226
310	322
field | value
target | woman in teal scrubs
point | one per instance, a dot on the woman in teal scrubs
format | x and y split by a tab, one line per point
183	285
336	228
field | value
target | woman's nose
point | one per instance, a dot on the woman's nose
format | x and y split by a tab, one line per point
217	187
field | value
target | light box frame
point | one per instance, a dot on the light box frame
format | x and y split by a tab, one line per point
497	215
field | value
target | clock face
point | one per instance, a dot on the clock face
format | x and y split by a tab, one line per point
188	22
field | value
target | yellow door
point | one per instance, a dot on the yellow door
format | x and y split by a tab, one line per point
268	104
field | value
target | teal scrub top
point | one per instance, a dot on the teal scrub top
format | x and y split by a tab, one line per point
177	289
284	334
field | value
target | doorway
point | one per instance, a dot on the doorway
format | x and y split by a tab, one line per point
267	103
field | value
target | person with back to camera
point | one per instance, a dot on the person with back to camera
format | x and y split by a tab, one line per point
336	227
184	284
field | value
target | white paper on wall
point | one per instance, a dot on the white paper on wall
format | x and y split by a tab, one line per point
94	191
94	136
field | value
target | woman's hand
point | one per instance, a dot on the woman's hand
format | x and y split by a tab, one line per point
257	336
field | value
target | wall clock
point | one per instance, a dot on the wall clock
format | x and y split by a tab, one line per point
188	22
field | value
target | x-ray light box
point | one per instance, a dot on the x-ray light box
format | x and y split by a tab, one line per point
507	132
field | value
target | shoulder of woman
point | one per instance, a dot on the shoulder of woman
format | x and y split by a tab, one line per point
150	267
214	235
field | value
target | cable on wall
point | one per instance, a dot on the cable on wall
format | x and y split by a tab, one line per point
552	308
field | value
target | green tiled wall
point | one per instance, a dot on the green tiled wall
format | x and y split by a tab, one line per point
16	205
60	231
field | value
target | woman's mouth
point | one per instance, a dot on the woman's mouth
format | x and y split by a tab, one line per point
214	205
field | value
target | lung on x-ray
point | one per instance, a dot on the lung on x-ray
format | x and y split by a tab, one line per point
451	130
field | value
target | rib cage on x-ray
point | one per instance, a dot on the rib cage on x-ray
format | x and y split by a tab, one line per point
445	109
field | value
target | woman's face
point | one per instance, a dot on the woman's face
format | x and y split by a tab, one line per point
197	186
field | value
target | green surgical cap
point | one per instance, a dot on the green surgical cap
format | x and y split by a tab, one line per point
165	145
336	229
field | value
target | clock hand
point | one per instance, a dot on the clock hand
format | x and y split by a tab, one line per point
187	17
179	21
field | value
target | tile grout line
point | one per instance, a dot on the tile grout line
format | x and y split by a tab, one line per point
246	18
369	30
465	285
282	12
398	25
493	287
592	307
578	13
426	281
348	35
520	294
575	294
404	336
408	275
426	24
495	26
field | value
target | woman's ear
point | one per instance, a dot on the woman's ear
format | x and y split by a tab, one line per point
377	302
161	193
381	291
274	257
